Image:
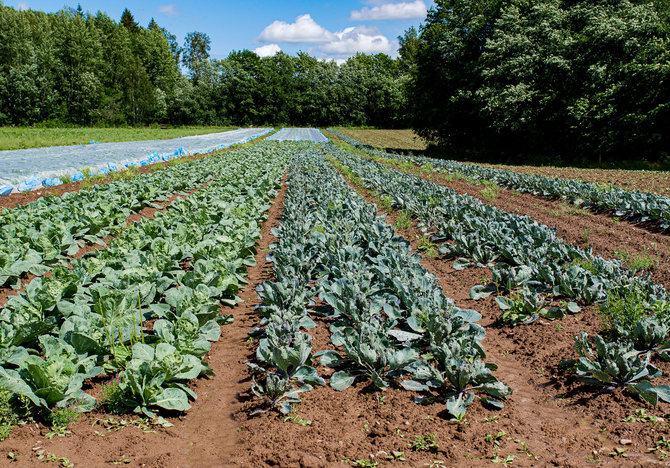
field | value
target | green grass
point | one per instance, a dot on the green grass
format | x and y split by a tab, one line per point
404	221
491	190
28	137
644	261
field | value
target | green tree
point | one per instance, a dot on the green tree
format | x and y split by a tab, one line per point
196	50
128	21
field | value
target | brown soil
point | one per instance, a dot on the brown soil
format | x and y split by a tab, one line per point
643	181
206	435
561	423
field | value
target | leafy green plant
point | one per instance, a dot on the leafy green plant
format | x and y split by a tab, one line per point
617	364
490	192
363	463
48	457
641	416
286	352
428	247
8	414
425	443
456	372
55	379
297	420
404	221
112	396
585	236
370	354
63	416
626	306
643	261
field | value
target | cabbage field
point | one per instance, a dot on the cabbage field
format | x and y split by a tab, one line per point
308	300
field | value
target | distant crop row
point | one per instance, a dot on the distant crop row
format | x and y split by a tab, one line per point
637	206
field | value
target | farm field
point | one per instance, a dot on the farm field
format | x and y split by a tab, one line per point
386	139
298	134
12	138
648	208
286	302
641	180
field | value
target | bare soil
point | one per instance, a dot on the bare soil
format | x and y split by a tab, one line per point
206	435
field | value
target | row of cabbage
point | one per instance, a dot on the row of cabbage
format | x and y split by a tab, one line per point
173	271
535	273
35	168
40	235
388	315
636	206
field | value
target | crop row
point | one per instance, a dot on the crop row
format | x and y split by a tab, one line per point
388	315
174	270
636	206
39	235
535	273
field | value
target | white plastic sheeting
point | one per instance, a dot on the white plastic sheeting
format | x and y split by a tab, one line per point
34	168
299	134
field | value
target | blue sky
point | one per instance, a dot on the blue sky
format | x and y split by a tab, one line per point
326	29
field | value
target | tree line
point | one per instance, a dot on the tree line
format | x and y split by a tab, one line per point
554	79
515	79
79	68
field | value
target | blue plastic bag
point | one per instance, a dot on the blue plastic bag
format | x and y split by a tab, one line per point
52	182
31	183
5	190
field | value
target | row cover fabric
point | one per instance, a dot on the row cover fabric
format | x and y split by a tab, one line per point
299	134
35	168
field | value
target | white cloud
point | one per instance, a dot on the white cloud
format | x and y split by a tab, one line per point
267	50
304	30
22	6
358	39
170	10
391	11
333	45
